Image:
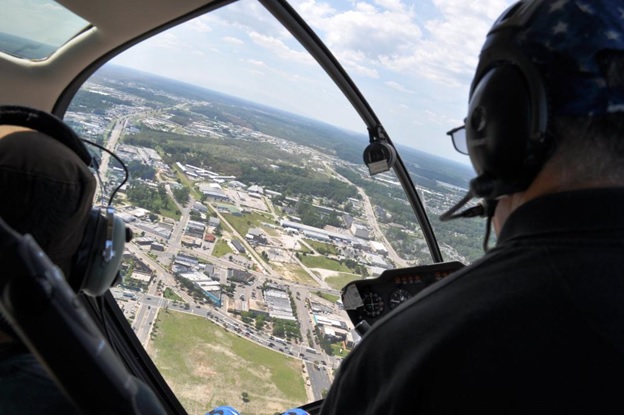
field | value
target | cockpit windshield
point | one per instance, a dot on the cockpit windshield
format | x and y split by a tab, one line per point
248	196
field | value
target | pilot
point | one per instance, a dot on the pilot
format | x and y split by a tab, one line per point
535	325
46	190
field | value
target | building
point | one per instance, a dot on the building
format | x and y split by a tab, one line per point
378	261
238	246
347	219
143	240
200	207
196	229
239	276
159	230
271	193
378	247
360	231
279	304
157	247
333	235
256	235
184	263
216	195
317	236
332	334
214	222
210	288
236	184
209	270
255	189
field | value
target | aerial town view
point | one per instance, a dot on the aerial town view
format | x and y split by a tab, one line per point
247	222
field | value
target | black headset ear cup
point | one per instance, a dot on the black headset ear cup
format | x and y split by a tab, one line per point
498	131
47	124
93	271
498	124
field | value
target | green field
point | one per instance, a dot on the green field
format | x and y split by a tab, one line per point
322	248
243	223
328	297
212	367
341	280
170	295
221	248
322	262
339	350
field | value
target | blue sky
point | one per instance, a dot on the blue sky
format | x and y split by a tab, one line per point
412	60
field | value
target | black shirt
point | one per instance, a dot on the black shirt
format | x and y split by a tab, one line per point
535	326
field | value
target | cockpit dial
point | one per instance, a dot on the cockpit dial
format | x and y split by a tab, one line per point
373	304
398	297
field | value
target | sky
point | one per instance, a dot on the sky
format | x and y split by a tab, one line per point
412	60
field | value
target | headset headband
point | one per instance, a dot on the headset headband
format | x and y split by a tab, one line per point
499	49
47	124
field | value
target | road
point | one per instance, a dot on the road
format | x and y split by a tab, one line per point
111	145
379	235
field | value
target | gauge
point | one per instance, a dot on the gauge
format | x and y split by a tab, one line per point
373	304
399	296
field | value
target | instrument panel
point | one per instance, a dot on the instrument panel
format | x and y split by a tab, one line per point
366	301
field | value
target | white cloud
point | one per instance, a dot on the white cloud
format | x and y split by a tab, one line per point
398	87
257	63
165	40
200	25
233	40
279	48
387	35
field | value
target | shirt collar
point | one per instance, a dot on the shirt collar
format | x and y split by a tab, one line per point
565	212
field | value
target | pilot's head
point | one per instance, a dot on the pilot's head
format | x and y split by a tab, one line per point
46	190
548	96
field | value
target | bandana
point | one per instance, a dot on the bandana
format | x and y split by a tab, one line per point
569	41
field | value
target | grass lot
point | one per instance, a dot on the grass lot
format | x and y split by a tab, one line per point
322	262
339	350
328	297
269	231
294	272
304	248
221	248
242	224
170	211
170	295
341	280
212	367
322	248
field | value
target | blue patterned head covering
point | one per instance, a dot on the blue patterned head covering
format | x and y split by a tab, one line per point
568	40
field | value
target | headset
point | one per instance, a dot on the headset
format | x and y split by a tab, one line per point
95	266
507	122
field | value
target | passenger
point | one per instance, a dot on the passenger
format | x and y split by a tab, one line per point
46	190
535	326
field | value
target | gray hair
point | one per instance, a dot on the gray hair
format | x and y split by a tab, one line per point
590	149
